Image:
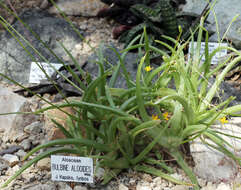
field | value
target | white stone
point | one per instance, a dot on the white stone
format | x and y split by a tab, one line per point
11	159
213	165
141	186
177	176
157	180
223	186
9	102
13	170
209	187
122	187
180	187
14	124
157	188
99	172
79	187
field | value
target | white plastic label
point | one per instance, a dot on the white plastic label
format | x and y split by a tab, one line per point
36	74
211	47
72	169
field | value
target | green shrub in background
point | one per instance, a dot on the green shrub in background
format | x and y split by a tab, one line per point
133	127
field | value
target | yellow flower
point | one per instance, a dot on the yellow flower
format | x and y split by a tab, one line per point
165	115
148	68
155	117
223	120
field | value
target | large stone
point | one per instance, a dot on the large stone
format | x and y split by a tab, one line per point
130	62
213	165
78	7
15	62
9	102
225	12
60	117
15	129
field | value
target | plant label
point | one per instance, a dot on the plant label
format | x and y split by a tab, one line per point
36	74
72	169
211	47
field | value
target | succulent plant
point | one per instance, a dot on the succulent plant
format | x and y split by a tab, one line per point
158	16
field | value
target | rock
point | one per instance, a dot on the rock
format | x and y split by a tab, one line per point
122	187
15	62
9	102
223	186
202	182
99	173
13	170
36	139
147	178
78	7
130	63
15	132
10	150
209	186
3	165
49	186
63	185
52	131
143	186
224	17
177	176
180	187
21	153
34	128
44	4
44	164
26	144
79	187
227	90
11	159
213	165
157	181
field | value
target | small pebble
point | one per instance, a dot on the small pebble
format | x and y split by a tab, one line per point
223	186
11	159
11	149
122	187
26	144
34	128
21	153
180	187
79	187
44	164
